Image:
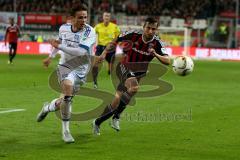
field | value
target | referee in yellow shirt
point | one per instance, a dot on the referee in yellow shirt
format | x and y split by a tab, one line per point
106	31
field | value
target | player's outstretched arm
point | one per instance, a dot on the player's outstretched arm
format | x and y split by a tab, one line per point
47	61
68	50
162	58
5	38
110	48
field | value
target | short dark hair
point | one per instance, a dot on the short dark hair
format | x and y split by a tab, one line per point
81	7
151	20
107	11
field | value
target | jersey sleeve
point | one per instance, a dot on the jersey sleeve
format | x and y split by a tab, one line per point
88	40
61	31
96	29
160	48
6	34
54	51
117	31
7	30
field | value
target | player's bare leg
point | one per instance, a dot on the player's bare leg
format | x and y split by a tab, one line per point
53	106
10	54
64	104
114	123
132	85
107	113
14	52
95	73
110	68
124	97
65	108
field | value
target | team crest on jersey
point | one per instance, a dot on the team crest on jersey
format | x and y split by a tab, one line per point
87	32
76	38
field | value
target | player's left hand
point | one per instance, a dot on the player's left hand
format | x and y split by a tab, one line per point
54	42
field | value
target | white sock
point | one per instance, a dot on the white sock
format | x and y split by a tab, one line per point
65	126
52	106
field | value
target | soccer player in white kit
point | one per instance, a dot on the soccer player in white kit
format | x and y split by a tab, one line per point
76	41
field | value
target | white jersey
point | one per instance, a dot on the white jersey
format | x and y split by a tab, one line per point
84	38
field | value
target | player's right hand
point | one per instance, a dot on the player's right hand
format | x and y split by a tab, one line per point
54	42
46	62
99	59
111	47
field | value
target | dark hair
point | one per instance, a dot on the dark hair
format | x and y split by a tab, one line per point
151	20
81	7
107	11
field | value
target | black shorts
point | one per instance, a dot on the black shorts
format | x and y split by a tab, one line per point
123	73
13	45
110	57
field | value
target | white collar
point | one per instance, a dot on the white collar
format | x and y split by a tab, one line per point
147	41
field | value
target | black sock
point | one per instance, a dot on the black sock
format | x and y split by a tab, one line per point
119	110
13	55
107	113
10	55
125	99
95	74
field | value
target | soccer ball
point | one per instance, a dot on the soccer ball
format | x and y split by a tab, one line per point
182	65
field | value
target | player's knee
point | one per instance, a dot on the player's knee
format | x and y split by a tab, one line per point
131	82
67	83
135	89
67	87
132	85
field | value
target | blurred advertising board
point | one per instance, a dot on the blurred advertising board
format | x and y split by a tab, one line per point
198	53
40	21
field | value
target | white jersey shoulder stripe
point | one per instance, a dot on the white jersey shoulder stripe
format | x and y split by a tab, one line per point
156	37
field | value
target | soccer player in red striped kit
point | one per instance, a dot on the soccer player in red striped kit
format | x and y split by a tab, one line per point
144	45
11	36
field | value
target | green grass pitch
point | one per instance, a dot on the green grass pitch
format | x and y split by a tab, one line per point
210	97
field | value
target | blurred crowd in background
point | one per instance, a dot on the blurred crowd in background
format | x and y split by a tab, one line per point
188	10
173	8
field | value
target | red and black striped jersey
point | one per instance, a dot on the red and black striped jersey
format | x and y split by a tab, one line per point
136	49
12	33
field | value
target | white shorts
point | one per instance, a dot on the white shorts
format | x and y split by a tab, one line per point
64	73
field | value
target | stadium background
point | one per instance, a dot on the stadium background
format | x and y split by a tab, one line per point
208	24
198	120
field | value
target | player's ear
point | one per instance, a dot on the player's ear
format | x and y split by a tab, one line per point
144	25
